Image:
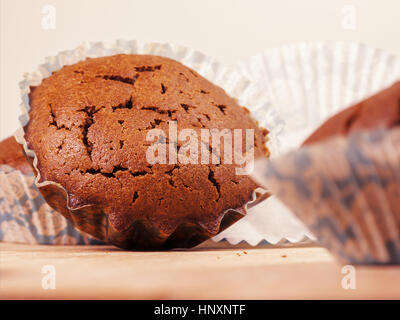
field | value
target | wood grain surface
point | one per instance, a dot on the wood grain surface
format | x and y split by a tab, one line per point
211	271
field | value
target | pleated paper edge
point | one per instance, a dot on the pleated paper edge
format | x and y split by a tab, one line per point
340	73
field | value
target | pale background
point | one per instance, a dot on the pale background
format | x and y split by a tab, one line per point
226	29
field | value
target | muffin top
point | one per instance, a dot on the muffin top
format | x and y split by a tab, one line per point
380	110
88	126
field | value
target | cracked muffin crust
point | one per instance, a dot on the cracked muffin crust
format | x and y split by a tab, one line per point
88	126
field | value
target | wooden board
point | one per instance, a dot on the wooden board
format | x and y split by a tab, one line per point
211	271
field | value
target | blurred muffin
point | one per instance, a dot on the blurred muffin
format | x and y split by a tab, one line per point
344	182
379	111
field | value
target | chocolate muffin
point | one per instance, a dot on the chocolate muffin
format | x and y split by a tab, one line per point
381	110
88	127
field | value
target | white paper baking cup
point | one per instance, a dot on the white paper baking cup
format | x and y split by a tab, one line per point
25	217
307	83
229	78
310	81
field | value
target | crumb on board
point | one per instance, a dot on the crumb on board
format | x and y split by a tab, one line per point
284	256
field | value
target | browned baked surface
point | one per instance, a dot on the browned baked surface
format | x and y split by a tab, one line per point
12	154
380	110
88	126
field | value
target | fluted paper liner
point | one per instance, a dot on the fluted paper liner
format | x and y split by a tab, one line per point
25	217
310	81
347	191
91	219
